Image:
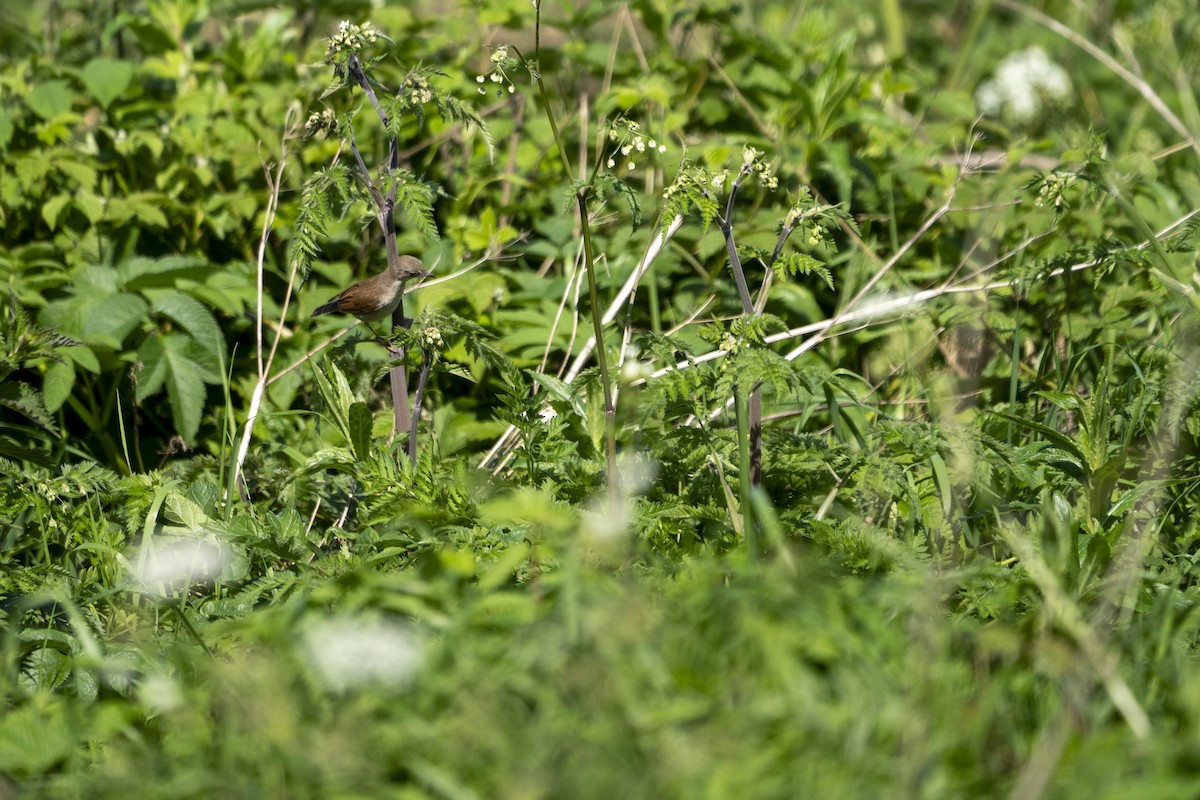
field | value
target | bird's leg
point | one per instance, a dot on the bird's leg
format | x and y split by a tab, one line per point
385	342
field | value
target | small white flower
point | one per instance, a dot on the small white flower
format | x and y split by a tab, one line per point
611	163
344	25
662	148
479	79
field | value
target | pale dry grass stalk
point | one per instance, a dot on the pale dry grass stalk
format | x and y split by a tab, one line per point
290	131
509	438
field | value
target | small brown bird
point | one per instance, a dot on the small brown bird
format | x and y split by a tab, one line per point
377	296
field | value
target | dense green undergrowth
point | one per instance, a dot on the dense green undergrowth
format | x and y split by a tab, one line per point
954	281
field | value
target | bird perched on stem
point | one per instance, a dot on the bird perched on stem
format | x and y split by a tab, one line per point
376	297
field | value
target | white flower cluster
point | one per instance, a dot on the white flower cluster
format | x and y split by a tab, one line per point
1022	84
431	337
417	87
629	141
753	162
321	122
501	63
1053	189
350	39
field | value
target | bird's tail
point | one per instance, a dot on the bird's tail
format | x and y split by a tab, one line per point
328	308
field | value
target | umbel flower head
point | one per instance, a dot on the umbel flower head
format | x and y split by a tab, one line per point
502	63
630	143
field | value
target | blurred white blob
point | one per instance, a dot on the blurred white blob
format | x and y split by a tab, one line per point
1023	82
348	652
170	565
602	524
160	694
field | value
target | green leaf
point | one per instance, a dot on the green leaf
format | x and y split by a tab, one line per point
22	398
106	79
335	392
194	318
6	128
50	99
1064	400
559	390
109	320
152	356
36	736
185	388
82	356
147	273
144	207
57	384
52	208
358	426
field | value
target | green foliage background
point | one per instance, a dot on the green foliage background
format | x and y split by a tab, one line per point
974	571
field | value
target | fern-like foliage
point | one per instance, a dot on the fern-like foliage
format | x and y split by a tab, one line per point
323	199
416	198
691	193
604	183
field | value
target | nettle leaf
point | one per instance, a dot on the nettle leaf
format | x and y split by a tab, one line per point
144	207
181	364
49	99
148	273
52	208
94	317
106	78
193	317
152	358
185	386
559	390
57	384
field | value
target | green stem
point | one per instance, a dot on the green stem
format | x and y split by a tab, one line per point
581	198
745	484
610	409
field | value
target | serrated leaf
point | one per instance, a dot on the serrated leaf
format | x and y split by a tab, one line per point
83	174
331	458
1064	400
22	398
82	356
194	318
111	319
52	208
106	78
152	357
185	389
358	426
559	390
185	511
49	99
146	273
57	384
335	392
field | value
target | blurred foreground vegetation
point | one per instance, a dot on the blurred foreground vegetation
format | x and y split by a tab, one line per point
969	567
